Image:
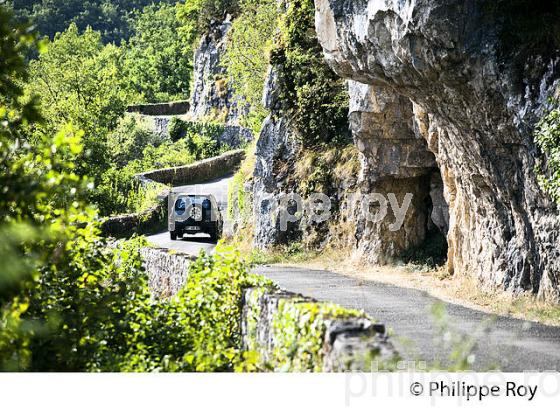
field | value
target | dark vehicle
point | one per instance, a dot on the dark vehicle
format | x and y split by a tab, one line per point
194	214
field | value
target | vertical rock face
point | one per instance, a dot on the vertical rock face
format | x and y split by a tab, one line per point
440	64
276	149
212	97
279	153
395	160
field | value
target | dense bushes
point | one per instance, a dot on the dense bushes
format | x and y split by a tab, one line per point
42	212
199	329
547	137
158	60
202	138
129	139
84	82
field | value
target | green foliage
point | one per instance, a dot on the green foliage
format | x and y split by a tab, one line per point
79	81
158	59
237	197
199	329
129	140
88	306
179	129
547	137
201	138
311	93
112	18
120	192
247	55
299	332
41	205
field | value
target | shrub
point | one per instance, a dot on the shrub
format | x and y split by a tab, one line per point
547	137
199	329
202	138
299	331
179	129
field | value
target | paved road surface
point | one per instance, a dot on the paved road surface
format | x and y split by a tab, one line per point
509	344
193	244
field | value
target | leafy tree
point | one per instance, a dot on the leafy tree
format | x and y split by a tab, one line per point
247	55
40	207
112	18
128	141
158	57
64	295
80	82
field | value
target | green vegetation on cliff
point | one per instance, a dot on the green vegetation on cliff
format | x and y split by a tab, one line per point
312	95
547	137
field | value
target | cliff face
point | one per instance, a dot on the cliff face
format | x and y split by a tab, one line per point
212	98
437	70
282	168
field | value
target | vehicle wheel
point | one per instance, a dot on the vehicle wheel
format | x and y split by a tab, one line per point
173	235
180	235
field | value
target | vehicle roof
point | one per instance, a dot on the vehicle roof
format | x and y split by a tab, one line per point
180	194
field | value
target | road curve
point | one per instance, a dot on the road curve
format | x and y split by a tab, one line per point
502	343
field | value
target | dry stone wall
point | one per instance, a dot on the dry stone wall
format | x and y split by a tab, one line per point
167	270
335	344
201	171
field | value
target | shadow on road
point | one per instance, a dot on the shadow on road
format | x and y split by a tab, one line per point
197	239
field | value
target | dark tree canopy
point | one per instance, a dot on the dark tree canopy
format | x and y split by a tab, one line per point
110	17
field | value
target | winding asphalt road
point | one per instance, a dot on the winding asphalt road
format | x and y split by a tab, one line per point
501	343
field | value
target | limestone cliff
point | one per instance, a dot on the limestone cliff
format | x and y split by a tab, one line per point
441	70
283	167
212	98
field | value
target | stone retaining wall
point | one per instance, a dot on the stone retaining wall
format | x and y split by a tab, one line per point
152	221
326	337
205	170
343	343
167	270
169	108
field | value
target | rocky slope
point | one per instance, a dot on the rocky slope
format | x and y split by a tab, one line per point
284	167
212	98
440	70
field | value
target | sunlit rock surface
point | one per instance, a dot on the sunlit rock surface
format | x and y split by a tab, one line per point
476	108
